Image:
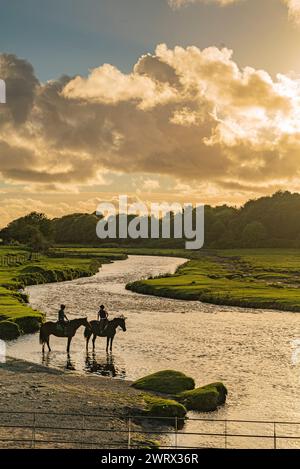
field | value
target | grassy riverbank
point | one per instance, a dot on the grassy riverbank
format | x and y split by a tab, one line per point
259	278
17	271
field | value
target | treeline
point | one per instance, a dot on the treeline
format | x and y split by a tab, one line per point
271	221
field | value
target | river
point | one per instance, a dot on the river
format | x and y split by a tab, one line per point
249	350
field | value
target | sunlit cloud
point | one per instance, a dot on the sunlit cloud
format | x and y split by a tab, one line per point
188	114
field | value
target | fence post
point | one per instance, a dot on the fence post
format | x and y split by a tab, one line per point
225	433
33	432
129	433
275	444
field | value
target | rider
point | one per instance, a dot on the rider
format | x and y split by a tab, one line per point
62	318
102	317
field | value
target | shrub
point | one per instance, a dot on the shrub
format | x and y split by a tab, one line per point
28	324
9	330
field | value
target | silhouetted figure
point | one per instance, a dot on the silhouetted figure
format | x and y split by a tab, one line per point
102	317
62	318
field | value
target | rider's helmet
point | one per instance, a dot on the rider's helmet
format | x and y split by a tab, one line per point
102	307
62	306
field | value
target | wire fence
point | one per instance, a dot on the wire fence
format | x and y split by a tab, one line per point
9	260
56	430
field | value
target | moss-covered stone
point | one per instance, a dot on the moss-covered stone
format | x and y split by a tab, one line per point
160	407
222	390
9	330
204	399
167	381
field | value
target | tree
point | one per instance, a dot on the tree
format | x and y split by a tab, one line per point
253	234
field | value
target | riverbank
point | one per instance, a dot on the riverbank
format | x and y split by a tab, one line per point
18	271
28	387
255	278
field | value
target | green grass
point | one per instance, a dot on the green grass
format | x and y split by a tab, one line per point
260	278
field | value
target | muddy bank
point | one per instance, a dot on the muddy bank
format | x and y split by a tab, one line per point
28	387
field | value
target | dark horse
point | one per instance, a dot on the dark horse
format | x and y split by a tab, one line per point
69	330
109	331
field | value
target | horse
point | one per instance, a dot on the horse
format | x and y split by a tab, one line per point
68	330
109	331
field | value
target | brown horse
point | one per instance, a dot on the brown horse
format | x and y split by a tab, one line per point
109	331
69	330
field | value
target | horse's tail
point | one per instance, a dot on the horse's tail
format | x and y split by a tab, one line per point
87	333
42	335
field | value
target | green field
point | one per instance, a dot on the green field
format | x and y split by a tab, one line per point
259	278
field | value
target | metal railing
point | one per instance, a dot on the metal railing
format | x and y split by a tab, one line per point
56	430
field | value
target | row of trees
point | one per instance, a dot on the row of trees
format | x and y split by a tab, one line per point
272	221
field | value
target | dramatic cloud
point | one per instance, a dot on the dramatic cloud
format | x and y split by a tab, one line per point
293	5
186	113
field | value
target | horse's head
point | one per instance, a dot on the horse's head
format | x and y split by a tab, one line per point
121	322
85	322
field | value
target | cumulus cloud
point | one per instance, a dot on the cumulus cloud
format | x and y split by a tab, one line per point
187	113
293	5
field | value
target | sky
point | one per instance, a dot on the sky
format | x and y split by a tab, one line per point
164	100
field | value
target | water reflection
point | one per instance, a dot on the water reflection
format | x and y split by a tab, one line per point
70	365
46	358
103	366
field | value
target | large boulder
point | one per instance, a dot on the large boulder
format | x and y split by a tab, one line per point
204	399
167	381
160	407
222	390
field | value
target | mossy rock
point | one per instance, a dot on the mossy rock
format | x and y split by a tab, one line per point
222	390
205	399
9	330
160	407
167	381
28	324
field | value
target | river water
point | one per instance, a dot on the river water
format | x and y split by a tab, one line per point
250	350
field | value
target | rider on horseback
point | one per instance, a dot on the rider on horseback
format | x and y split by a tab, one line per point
102	318
62	318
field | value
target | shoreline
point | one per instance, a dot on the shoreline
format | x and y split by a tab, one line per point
30	388
239	278
142	288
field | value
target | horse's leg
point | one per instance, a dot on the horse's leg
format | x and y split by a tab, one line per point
48	343
94	340
69	343
111	342
87	343
107	344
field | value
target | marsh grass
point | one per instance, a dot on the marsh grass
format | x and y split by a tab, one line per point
258	278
